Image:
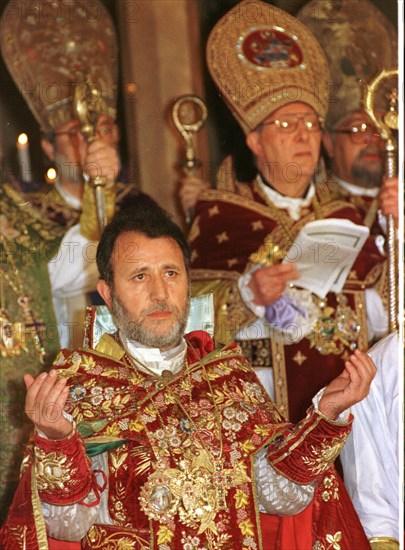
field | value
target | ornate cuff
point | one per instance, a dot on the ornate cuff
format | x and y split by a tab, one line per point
345	418
309	450
62	469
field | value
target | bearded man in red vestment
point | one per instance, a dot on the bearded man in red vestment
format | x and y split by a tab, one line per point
166	442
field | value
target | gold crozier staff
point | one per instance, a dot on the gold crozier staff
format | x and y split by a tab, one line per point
87	105
189	114
385	125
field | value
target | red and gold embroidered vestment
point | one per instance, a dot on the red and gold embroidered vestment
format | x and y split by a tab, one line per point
184	445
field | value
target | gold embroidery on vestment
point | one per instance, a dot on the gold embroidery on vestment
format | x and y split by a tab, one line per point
324	457
53	471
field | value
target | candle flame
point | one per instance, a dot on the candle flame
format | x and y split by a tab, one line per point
51	175
22	139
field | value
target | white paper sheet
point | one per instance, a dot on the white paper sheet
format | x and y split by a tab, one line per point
324	252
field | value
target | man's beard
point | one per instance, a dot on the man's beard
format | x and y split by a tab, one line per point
135	329
365	173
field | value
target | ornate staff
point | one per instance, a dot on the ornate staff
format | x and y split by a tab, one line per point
87	106
189	114
385	125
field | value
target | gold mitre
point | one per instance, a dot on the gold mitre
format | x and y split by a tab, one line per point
359	41
48	45
262	58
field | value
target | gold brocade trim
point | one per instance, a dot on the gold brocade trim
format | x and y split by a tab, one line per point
224	353
280	378
237	311
244	190
361	314
117	510
335	205
109	536
324	199
255	498
41	535
382	287
371	278
109	347
325	190
374	274
287	229
51	197
330	421
257	352
384	543
280	215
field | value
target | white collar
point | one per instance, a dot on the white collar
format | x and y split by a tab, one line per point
356	190
70	200
155	360
292	204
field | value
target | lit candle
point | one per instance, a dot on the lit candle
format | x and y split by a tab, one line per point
24	157
51	175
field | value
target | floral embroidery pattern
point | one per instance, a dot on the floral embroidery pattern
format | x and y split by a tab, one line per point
53	471
331	488
322	458
334	540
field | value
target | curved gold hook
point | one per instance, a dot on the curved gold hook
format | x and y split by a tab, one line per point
87	106
390	121
189	129
184	126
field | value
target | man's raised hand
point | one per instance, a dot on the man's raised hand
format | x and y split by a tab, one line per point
350	387
46	398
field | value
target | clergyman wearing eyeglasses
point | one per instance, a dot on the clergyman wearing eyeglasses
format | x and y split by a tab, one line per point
243	231
351	139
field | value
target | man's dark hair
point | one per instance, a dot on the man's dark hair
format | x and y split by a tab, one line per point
154	222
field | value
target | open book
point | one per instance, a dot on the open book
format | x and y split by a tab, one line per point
324	252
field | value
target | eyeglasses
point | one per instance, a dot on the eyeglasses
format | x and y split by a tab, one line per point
73	133
359	133
287	124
